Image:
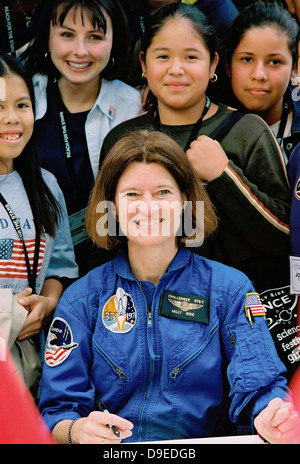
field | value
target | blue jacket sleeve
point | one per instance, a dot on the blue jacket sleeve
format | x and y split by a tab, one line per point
71	331
255	372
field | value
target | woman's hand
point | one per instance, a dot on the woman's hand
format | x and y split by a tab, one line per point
94	429
279	423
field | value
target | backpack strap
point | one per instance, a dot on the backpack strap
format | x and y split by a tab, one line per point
219	132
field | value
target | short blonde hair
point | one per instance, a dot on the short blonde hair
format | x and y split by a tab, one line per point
146	146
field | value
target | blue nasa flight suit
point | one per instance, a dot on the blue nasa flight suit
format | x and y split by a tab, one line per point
172	378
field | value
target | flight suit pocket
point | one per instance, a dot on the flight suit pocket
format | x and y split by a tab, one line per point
254	360
183	357
109	357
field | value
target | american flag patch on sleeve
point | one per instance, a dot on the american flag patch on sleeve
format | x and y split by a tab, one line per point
253	306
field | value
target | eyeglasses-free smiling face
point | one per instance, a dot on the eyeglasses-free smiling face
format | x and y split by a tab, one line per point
149	204
177	66
16	121
78	51
260	71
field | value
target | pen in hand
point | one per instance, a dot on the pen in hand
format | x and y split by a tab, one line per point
102	408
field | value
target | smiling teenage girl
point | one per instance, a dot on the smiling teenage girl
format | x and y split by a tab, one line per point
36	247
78	57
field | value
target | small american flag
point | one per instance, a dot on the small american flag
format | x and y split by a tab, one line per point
111	111
254	304
12	258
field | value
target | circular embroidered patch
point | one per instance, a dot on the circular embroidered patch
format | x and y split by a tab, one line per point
59	342
119	313
297	189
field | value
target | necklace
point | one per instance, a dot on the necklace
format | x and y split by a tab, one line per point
27	18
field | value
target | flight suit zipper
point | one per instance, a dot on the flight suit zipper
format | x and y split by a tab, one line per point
173	374
116	368
149	309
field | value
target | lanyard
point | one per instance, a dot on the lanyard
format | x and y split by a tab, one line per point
65	134
9	28
283	121
195	129
31	274
63	124
76	179
142	24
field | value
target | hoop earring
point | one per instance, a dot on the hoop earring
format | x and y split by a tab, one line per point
143	76
47	55
214	79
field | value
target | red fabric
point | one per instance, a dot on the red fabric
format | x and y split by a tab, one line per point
295	388
294	385
20	421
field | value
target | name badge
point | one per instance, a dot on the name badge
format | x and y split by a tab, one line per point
185	307
295	274
77	227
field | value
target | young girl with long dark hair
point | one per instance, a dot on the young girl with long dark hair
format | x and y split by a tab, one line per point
35	241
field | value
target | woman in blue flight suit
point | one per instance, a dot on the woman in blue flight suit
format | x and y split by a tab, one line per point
190	347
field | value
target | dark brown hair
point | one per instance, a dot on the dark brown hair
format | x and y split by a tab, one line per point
261	14
146	146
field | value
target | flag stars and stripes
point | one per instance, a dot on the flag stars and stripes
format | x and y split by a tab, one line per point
12	258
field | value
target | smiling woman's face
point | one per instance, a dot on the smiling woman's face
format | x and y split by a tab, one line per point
149	204
78	50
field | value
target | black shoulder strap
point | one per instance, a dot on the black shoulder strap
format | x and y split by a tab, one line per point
219	132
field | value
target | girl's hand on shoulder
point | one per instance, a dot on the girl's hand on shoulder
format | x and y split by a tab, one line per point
207	157
279	423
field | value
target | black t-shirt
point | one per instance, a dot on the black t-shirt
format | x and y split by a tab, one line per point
74	175
19	23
